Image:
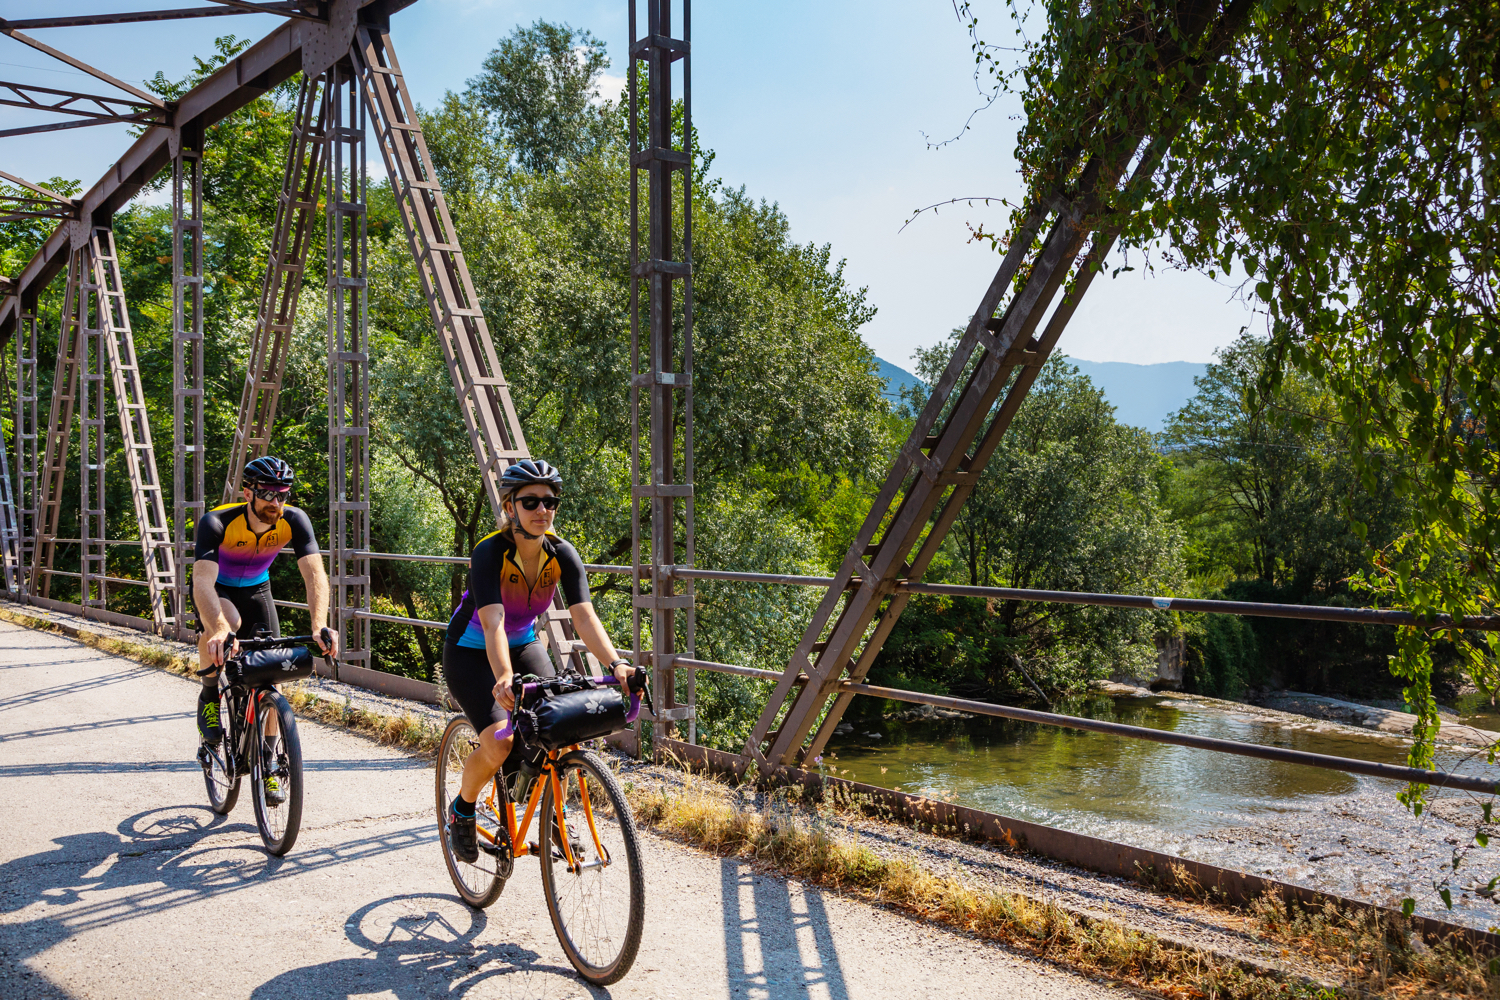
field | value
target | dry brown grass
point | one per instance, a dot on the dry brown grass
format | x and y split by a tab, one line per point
1376	950
782	837
406	731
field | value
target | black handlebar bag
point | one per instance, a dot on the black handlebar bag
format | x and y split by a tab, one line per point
560	720
270	666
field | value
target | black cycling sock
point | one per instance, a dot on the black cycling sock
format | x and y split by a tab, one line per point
462	806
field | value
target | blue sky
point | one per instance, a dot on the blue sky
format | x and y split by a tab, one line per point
821	107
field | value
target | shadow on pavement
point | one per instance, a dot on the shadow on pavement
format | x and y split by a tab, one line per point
770	946
161	859
425	945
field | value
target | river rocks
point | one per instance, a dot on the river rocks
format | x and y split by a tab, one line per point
928	712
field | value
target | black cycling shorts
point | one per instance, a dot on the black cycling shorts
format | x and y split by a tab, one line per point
472	682
255	605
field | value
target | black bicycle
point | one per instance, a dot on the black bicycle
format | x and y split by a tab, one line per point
247	700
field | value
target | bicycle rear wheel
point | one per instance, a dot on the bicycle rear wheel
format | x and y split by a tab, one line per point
481	883
278	757
223	787
597	903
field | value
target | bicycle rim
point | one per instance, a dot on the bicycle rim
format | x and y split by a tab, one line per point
280	757
479	884
223	787
598	902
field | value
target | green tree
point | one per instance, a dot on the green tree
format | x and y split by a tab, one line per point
539	88
1342	158
1071	500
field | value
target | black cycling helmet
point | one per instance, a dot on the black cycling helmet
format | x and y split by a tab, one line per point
269	471
531	472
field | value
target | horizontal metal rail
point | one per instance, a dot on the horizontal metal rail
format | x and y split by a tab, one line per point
1312	612
96	576
1327	762
398	620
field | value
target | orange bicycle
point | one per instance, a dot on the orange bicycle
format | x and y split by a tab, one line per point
587	843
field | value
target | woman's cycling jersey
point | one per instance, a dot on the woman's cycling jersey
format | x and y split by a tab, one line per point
496	577
224	536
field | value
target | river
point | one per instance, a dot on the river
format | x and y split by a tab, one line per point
1325	829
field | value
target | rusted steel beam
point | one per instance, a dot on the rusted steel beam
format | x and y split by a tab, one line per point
80	65
291	237
98	108
132	16
288	10
996	359
265	64
36	189
667	366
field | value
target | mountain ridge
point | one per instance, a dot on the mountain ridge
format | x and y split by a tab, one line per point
1142	395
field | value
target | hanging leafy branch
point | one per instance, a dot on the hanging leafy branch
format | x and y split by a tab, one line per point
1341	161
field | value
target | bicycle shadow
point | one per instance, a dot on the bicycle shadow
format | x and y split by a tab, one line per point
423	945
63	883
162	859
778	944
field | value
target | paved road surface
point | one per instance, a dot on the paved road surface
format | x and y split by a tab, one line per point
117	881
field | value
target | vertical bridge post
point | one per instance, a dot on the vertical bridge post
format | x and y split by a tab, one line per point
26	437
668	370
348	365
187	356
93	561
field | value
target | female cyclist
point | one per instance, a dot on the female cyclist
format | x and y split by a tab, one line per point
513	573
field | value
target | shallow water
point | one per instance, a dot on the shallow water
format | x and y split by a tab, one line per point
1323	828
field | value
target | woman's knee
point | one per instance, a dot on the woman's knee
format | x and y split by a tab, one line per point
491	749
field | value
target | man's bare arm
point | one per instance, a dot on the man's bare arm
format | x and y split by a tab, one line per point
210	609
315	578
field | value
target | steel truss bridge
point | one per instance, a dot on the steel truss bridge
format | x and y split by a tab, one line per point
352	90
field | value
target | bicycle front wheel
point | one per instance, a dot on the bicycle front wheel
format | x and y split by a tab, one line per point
276	774
480	883
223	787
595	890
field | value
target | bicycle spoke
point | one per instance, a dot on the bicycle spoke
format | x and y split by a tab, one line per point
597	901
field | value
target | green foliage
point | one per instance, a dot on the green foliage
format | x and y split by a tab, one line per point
1223	657
1342	158
538	88
1265	487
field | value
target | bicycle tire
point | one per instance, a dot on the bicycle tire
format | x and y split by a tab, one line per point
597	919
223	787
481	883
279	825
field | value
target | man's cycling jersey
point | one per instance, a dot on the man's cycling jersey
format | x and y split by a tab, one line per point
496	577
224	536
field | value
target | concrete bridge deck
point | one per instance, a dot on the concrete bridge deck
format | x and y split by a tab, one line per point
116	881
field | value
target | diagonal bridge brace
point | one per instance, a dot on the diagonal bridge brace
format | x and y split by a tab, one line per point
934	473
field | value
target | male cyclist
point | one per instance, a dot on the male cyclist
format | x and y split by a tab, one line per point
492	637
235	545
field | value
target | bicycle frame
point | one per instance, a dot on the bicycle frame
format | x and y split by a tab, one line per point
517	831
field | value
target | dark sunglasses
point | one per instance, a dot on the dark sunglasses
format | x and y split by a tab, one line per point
280	496
532	503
